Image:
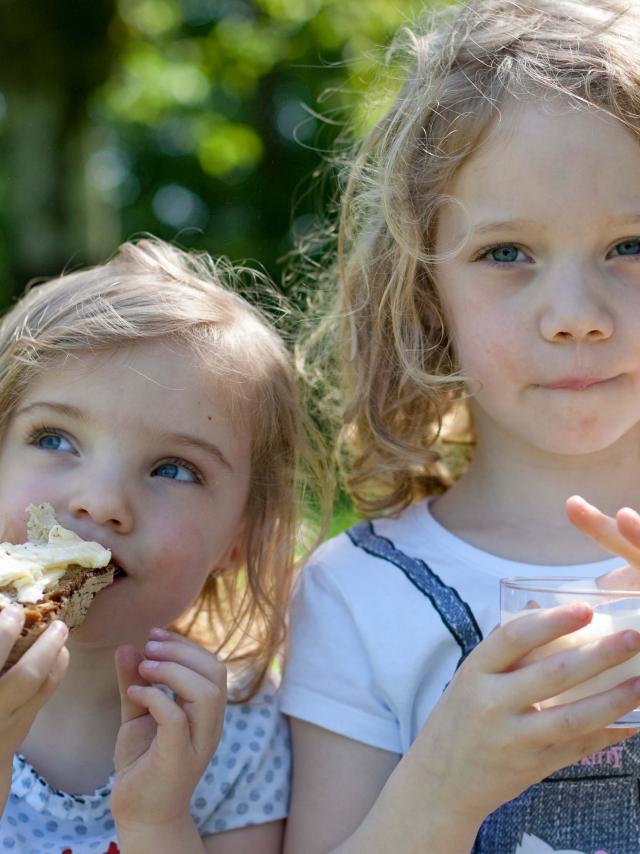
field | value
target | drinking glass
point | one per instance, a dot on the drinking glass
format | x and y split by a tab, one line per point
613	611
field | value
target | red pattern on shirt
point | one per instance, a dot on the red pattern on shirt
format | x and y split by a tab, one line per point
112	849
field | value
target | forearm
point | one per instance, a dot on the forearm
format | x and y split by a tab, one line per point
179	836
413	814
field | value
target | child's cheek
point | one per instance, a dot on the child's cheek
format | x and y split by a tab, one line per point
188	556
490	362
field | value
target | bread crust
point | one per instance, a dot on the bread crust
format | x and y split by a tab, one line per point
68	601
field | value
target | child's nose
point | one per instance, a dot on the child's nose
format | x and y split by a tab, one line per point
105	503
575	312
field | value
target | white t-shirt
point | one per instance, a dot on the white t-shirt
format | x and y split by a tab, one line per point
369	653
246	782
381	618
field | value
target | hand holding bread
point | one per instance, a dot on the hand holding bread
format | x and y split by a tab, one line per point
26	686
167	737
46	587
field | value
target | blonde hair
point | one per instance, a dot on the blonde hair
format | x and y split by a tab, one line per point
151	290
391	347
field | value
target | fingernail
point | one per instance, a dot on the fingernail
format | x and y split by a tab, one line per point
150	665
159	633
581	611
153	646
60	628
632	640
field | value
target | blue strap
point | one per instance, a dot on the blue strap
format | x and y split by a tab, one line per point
454	612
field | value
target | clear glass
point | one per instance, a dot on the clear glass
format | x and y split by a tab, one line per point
614	611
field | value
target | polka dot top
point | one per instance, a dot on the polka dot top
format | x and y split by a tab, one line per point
246	782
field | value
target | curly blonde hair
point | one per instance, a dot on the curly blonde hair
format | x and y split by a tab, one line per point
386	332
151	290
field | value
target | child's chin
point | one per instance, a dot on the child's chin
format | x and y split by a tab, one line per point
86	637
576	442
96	631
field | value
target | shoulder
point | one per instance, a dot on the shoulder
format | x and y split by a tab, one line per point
372	555
357	546
255	729
367	627
247	781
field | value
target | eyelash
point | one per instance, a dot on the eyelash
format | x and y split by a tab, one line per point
177	461
483	254
38	432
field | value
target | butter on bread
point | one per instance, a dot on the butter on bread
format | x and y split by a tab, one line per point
53	576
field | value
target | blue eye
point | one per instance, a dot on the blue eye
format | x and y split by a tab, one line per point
51	441
176	471
627	247
504	255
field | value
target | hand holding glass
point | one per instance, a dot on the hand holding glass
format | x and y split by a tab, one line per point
613	611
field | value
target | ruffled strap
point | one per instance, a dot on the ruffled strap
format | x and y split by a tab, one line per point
28	785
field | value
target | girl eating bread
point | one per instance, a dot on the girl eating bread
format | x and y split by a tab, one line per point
155	411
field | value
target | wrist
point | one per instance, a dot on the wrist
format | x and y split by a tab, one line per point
447	825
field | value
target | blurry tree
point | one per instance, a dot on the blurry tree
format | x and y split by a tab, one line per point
192	119
54	56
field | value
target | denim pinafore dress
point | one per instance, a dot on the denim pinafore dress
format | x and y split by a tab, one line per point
592	807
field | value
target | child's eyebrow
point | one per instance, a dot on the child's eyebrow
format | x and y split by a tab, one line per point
187	441
502	225
517	224
627	219
61	408
183	439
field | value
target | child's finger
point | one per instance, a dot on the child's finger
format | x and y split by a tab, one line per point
601	528
628	522
203	701
158	633
508	644
127	662
191	655
173	733
190	686
582	717
51	683
30	673
11	623
575	750
560	671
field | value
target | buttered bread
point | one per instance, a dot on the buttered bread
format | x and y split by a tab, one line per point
53	576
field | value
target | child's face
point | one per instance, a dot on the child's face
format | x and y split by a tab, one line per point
133	449
543	300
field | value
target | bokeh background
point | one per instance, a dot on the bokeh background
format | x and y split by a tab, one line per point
205	121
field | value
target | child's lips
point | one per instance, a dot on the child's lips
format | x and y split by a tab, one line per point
120	571
579	383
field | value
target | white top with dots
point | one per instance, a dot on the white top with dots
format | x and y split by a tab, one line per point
246	782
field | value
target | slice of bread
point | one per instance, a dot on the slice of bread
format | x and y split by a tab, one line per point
67	594
69	601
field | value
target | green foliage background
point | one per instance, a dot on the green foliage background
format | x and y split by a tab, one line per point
197	120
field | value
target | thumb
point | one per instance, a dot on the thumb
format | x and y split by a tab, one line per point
127	661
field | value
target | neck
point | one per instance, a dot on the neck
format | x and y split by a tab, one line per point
511	500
